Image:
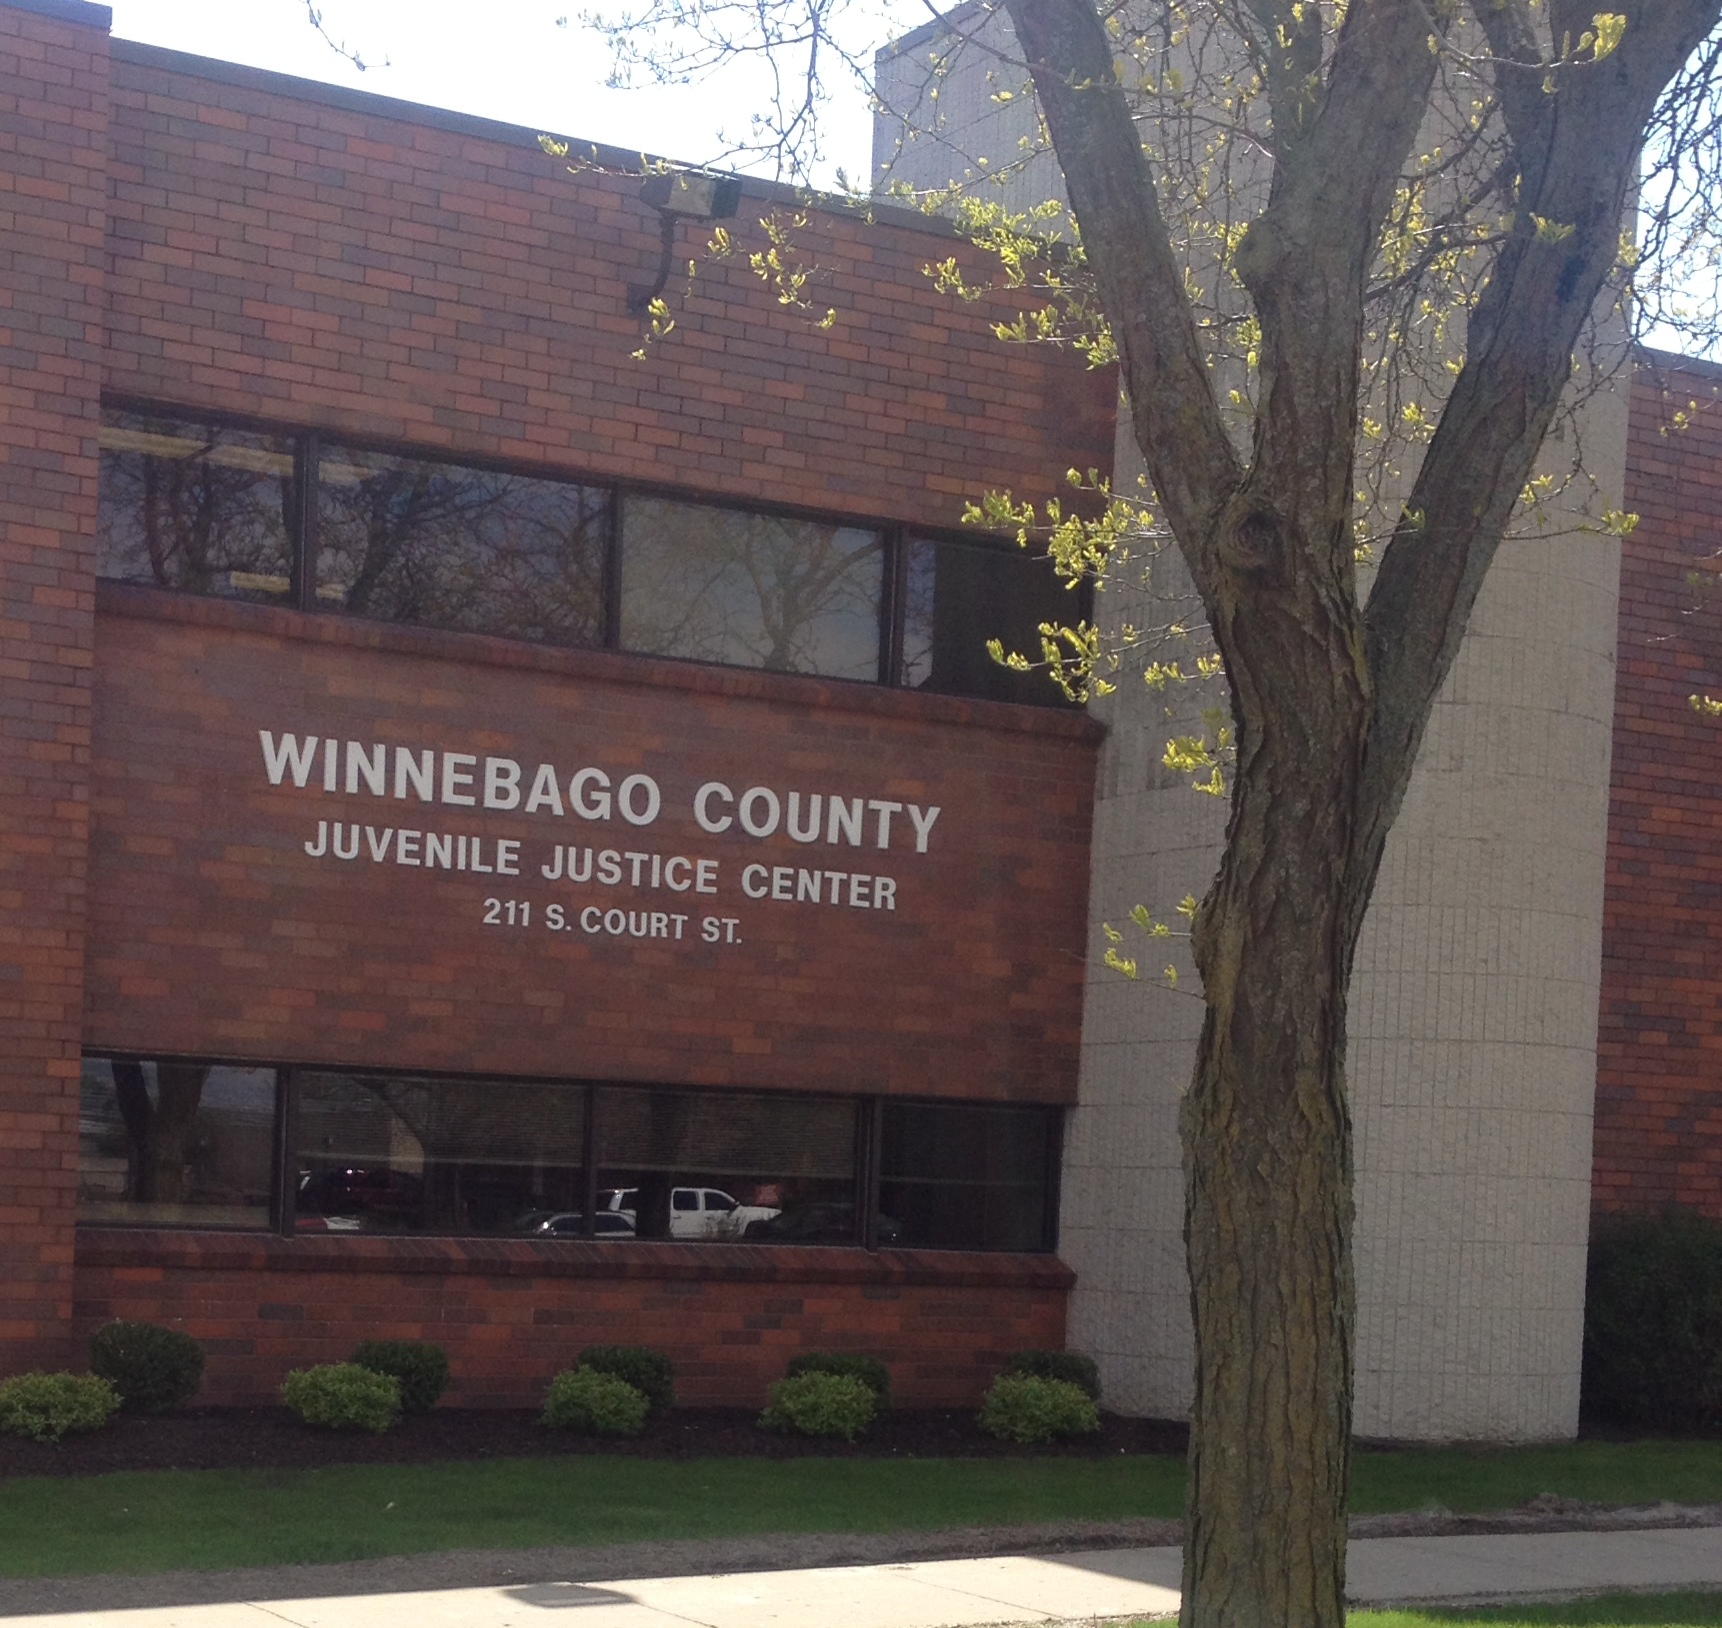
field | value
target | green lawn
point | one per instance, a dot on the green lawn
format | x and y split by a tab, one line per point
148	1521
1605	1611
1601	1611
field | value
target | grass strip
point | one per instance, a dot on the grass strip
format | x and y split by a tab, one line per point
1681	1610
214	1519
1600	1611
1473	1481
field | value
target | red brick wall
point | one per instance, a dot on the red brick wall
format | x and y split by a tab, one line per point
512	1314
1659	1080
53	143
312	257
212	930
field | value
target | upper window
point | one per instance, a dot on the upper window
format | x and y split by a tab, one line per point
197	507
958	597
751	590
294	520
408	540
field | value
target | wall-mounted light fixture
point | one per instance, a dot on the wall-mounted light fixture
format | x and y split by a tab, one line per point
680	195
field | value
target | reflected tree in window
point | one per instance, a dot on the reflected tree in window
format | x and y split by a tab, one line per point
750	590
410	540
159	1127
197	508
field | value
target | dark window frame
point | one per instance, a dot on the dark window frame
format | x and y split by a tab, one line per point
869	1113
303	542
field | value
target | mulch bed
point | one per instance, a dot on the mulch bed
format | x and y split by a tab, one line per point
271	1438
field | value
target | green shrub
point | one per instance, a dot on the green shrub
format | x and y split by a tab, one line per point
1653	1320
47	1406
1070	1366
649	1372
1027	1408
599	1403
821	1404
153	1368
849	1365
343	1396
421	1368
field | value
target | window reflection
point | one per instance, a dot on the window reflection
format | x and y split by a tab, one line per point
375	1154
410	540
958	596
962	1176
183	1143
705	1168
750	590
195	507
175	1143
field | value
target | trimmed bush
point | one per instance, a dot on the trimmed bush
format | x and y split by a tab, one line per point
1070	1366
599	1403
649	1372
1027	1408
343	1396
849	1365
1653	1321
421	1368
821	1404
153	1368
49	1406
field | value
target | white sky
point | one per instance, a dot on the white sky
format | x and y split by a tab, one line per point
506	59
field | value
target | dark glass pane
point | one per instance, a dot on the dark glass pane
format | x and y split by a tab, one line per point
451	1156
960	1177
958	597
409	540
705	1168
195	507
165	1144
750	590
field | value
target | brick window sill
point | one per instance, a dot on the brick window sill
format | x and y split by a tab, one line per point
607	666
134	1248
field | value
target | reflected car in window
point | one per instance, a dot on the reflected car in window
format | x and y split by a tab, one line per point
373	1192
696	1213
571	1224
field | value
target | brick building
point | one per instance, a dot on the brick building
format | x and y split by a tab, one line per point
1659	1047
502	840
513	842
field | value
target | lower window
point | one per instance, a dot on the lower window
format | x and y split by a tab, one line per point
164	1143
381	1153
169	1142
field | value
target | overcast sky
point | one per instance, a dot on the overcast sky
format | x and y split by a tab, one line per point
504	59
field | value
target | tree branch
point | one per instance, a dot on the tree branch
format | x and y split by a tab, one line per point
1124	236
1574	182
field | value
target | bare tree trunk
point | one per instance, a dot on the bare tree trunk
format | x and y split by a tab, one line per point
1267	1152
1266	1128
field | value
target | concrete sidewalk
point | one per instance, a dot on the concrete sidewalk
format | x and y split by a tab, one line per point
1071	1588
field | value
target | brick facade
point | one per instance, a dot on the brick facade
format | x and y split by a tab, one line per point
1659	1077
303	254
514	1313
213	932
233	243
53	135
